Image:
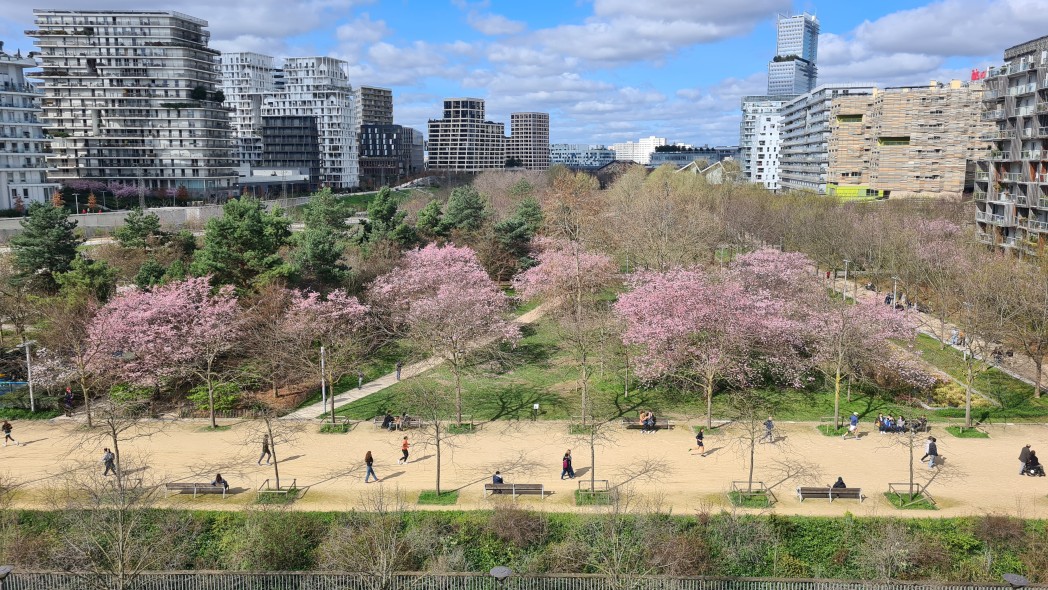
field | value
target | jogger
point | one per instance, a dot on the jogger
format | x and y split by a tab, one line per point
265	450
6	428
404	449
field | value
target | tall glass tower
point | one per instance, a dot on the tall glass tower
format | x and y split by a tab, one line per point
793	70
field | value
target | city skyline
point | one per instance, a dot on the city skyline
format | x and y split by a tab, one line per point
606	70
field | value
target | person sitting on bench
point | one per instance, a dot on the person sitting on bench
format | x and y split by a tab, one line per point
1033	465
497	478
220	481
839	483
387	420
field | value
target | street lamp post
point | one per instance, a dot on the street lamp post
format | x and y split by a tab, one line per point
323	381
26	344
895	292
846	263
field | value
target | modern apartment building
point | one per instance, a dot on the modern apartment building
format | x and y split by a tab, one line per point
319	87
759	142
132	96
23	147
375	106
639	152
389	153
684	155
580	155
906	141
793	69
529	140
246	78
1011	186
292	142
805	136
463	141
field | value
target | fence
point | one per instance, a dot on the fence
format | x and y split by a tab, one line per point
317	581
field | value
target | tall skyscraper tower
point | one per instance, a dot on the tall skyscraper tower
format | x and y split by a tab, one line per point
793	70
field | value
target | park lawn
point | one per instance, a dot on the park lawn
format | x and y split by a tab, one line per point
1016	397
360	201
381	362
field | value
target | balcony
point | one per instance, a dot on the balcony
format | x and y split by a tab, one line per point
1042	132
1042	203
1033	154
1025	111
1022	89
1012	177
979	195
999	156
1037	226
986	238
993	218
993	115
983	176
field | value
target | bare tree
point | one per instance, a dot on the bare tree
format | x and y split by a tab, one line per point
278	433
887	550
435	408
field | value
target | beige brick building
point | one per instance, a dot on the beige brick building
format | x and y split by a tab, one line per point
906	141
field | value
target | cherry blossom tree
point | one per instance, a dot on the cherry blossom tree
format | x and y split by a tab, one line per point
702	329
569	280
180	329
334	323
445	304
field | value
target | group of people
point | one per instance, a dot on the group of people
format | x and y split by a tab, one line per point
647	421
391	422
1029	464
900	424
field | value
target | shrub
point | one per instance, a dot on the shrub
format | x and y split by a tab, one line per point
516	526
226	397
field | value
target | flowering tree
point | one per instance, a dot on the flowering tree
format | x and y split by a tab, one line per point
703	329
849	339
569	279
324	334
149	337
443	301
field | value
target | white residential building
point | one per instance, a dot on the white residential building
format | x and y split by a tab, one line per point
23	147
318	87
580	155
639	152
529	140
759	140
793	69
246	78
131	95
805	136
462	141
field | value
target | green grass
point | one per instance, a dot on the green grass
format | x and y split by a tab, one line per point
291	495
360	201
338	428
430	497
220	428
382	362
588	498
22	414
753	499
829	430
1015	397
904	502
464	428
962	432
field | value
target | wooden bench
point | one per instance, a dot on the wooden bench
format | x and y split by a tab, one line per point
409	422
516	489
196	488
831	494
660	424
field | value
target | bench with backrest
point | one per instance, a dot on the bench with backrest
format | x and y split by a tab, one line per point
660	423
828	493
197	488
409	422
515	489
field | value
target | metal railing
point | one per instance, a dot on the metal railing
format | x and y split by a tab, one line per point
478	581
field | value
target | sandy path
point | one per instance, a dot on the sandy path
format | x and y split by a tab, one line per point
331	465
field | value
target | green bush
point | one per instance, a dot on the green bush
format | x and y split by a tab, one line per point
227	396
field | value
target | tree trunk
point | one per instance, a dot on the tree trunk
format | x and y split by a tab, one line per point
593	460
211	401
458	396
837	398
436	438
273	452
1038	365
585	388
753	454
87	398
968	395
913	438
709	403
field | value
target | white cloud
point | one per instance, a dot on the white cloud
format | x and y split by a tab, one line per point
494	24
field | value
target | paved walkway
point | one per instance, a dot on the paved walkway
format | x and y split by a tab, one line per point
311	412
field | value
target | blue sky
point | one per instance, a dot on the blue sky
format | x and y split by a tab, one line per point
606	70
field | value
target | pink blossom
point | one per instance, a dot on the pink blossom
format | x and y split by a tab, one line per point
563	270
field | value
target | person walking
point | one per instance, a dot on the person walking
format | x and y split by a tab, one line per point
1024	456
360	380
853	426
369	461
699	438
566	469
404	449
6	428
400	366
109	460
265	450
933	453
769	430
